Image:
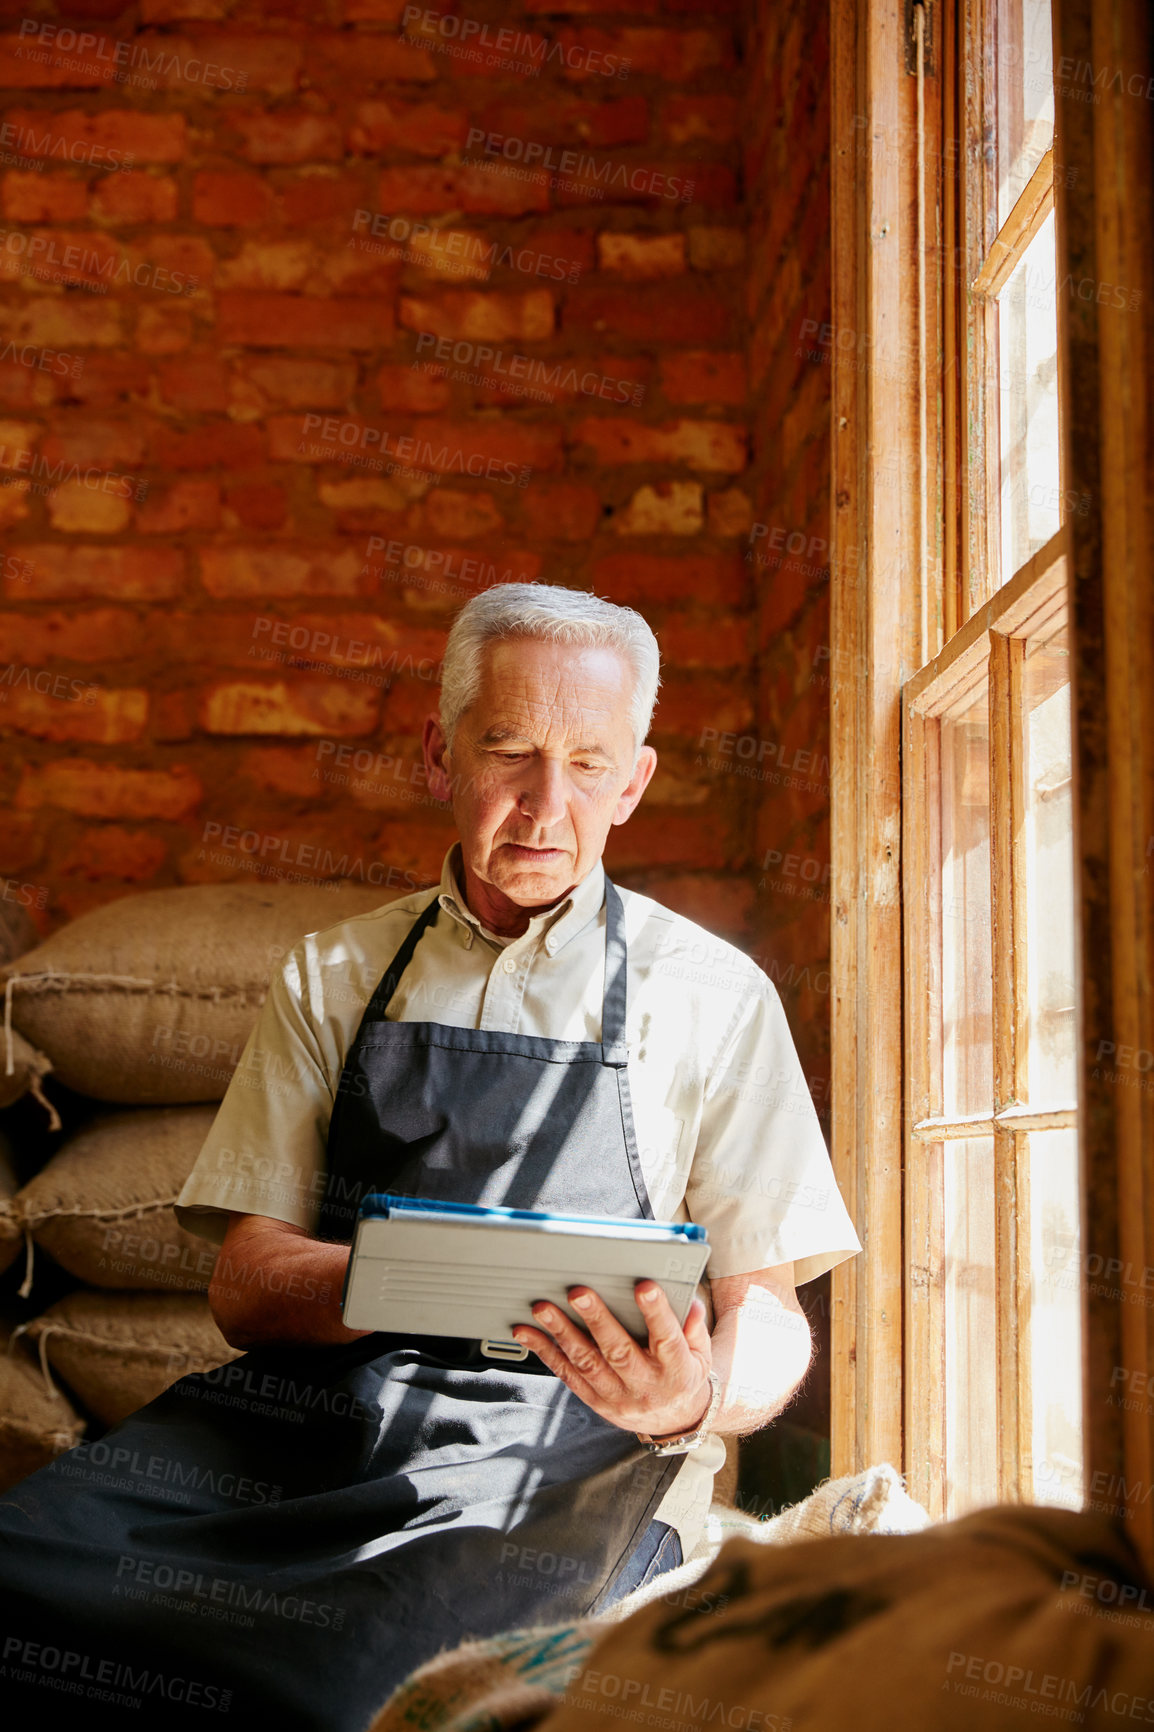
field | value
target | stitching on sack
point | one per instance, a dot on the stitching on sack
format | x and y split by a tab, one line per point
111	1345
53	978
129	1210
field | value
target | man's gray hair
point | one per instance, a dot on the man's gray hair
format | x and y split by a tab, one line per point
552	615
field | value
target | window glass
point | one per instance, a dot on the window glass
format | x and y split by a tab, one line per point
1025	95
967	985
1030	495
1051	1042
1055	1318
971	1325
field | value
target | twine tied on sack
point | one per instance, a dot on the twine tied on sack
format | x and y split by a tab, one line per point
42	1343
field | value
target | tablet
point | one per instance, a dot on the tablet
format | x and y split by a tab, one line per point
426	1268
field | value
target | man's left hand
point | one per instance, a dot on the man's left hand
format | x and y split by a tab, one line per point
662	1389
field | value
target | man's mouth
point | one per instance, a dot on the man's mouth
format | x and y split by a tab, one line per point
522	851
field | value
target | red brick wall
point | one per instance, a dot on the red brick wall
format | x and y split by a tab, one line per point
199	614
786	172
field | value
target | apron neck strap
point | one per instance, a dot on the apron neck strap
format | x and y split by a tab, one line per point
613	1002
383	996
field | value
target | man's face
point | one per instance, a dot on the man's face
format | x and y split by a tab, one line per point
540	767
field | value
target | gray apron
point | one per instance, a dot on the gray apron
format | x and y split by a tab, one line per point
426	1495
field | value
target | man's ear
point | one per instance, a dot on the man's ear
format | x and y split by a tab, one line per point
436	751
638	782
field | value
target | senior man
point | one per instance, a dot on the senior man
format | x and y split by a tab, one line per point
523	1034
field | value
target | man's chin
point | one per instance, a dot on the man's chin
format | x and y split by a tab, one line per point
526	881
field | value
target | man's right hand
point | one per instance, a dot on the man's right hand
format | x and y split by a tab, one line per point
275	1285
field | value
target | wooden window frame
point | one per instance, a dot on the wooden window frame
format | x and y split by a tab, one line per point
892	607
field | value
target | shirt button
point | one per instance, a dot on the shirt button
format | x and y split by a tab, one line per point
509	965
550	945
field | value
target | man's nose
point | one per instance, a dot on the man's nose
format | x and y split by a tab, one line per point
542	795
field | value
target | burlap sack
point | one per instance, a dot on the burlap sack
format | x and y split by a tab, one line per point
35	1425
116	1351
150	999
1007	1619
10	1234
102	1207
28	1066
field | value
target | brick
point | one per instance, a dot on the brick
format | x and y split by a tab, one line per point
307	384
447	254
480	189
665	838
163	330
322	198
188	259
660	185
198	382
18	439
459	448
672	312
289	136
601	378
729	513
639	258
712	119
663	508
113	852
44	198
215	444
352	60
422	128
364	640
719	902
693	701
13	506
31	387
21	843
40	65
705	376
106	139
486	317
231	199
402	388
290	706
294	770
362	500
294	568
674	55
720	641
172	11
79	438
699	444
269	321
356	270
716	249
226	62
109	791
77	573
379	11
256	505
717	579
289	264
95	635
87	712
184	505
77	509
461	515
72	257
564	118
561	510
106	380
63	324
135	198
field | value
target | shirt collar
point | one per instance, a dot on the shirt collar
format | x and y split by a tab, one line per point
562	922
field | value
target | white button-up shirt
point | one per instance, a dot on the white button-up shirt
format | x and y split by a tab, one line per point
726	1129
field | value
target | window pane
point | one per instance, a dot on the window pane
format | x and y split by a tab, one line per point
1052	1068
1055	1318
971	1325
967	1048
1028	380
1025	95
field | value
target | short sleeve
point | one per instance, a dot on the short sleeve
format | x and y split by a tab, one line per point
761	1181
265	1152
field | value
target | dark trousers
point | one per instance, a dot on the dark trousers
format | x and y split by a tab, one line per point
660	1550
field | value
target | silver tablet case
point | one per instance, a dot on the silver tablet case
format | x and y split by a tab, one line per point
477	1279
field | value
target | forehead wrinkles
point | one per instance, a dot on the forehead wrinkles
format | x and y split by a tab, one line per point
554	704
